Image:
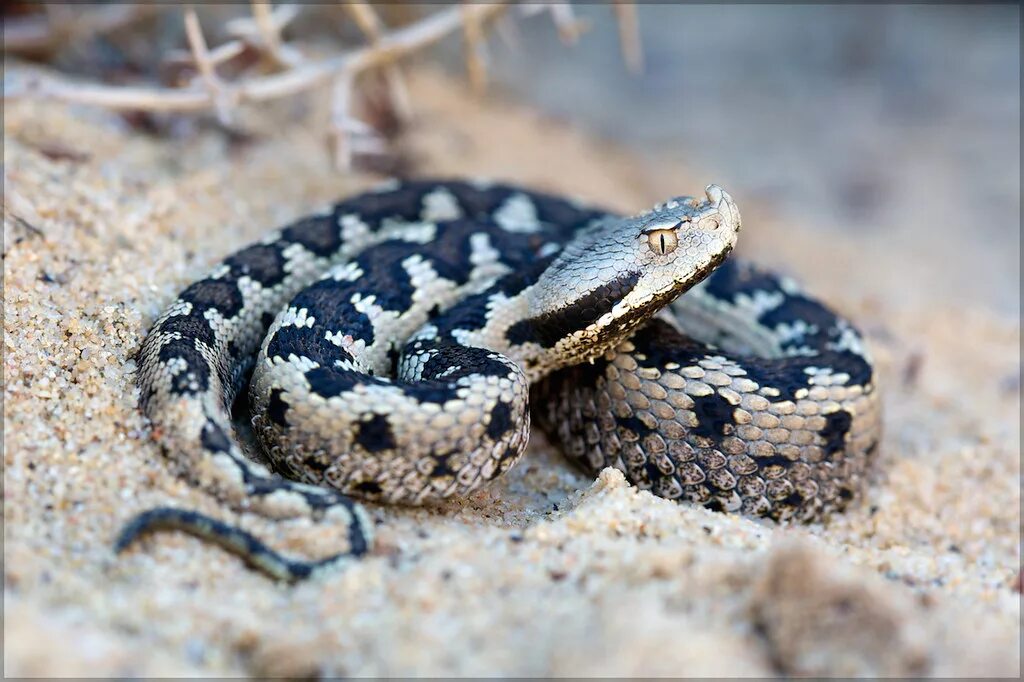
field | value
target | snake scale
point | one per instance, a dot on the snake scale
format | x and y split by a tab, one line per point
395	344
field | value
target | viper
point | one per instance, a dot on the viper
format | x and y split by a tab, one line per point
395	345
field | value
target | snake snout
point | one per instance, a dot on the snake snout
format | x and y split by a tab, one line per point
724	204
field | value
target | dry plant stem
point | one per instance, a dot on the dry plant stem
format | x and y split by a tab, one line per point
562	14
252	33
629	36
306	76
341	150
373	28
274	21
217	56
475	54
261	14
349	135
201	55
263	31
569	27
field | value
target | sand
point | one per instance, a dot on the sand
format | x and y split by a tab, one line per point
547	572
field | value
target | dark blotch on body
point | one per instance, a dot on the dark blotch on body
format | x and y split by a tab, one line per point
471	313
330	304
196	371
714	416
214	439
384	276
634	425
660	343
318	234
848	362
735	277
330	382
797	308
451	363
501	420
572	379
261	262
523	331
714	505
191	326
277	409
221	294
367	488
375	434
305	342
837	425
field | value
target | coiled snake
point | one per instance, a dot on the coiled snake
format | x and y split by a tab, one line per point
397	338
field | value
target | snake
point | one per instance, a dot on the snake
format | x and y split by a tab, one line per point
395	346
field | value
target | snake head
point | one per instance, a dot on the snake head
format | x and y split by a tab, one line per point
617	274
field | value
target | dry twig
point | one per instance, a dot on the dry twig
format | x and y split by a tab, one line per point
629	35
475	49
218	90
263	31
564	17
306	76
294	74
373	28
349	135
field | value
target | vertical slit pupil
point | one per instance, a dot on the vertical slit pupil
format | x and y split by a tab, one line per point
662	235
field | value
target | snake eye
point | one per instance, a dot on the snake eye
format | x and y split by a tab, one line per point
710	223
662	241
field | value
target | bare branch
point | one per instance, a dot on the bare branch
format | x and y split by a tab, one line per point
263	30
269	33
261	34
365	17
475	48
340	105
273	21
217	56
372	27
201	56
391	47
629	35
349	135
569	27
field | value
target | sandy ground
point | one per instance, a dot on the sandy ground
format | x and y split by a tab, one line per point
547	572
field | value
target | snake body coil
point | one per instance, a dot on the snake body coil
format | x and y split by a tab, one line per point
398	339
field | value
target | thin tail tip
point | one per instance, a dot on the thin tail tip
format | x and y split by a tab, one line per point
237	541
146	522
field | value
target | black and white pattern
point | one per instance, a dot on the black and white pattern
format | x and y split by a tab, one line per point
393	342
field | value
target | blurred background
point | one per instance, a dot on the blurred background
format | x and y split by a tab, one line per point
898	121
